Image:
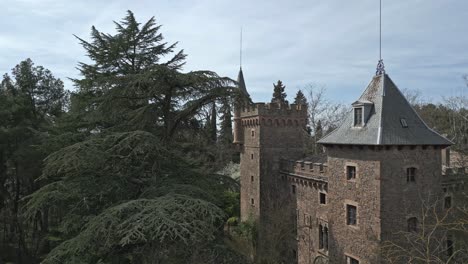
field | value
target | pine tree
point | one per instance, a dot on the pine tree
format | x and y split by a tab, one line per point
300	98
226	136
279	96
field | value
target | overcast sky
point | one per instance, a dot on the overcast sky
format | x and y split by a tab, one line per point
326	42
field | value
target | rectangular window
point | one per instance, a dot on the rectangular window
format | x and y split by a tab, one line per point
253	133
251	156
252	178
350	172
448	202
358	116
449	246
252	201
293	189
351	213
323	198
410	174
350	260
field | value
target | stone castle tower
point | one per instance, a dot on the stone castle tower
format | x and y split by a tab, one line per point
265	133
379	166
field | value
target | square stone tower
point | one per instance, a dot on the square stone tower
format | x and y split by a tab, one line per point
384	162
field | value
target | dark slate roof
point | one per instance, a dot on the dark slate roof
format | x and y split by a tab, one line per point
383	124
241	83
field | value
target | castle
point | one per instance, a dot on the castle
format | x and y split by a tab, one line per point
379	166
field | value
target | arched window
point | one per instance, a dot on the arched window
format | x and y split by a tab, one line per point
412	224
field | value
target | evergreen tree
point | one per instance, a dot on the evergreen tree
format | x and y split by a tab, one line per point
300	98
279	96
226	136
142	118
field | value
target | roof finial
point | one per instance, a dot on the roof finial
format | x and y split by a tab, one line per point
380	65
240	53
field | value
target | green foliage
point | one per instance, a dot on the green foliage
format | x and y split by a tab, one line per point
279	96
128	86
164	222
300	98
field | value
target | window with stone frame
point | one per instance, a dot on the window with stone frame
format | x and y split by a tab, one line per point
410	174
323	237
351	260
351	172
351	214
412	224
358	116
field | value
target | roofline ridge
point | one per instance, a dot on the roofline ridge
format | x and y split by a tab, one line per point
379	131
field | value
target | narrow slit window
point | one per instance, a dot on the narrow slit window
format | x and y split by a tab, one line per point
293	189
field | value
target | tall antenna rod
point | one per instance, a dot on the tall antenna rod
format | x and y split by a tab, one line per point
380	65
380	32
240	56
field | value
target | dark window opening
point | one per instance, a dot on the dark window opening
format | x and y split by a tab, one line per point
448	202
358	116
251	156
294	253
410	174
350	260
252	201
449	246
253	133
350	172
403	123
252	178
412	224
293	189
323	198
351	214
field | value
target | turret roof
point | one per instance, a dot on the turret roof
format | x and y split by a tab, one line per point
390	121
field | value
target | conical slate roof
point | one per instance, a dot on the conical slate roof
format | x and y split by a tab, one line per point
390	121
241	83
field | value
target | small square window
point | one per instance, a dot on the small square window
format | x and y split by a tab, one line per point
403	123
293	189
323	198
410	174
350	260
448	202
351	214
350	172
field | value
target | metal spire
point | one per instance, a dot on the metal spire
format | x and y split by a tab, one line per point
240	53
380	65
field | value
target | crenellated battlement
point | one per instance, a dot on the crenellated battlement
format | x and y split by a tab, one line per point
274	109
